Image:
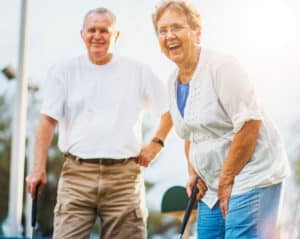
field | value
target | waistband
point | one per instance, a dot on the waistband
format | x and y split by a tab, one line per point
100	161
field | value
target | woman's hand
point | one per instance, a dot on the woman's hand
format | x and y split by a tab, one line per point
224	193
201	187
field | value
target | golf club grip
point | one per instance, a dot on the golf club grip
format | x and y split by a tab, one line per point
189	207
34	207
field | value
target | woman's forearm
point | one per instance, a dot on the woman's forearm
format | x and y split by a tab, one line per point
191	171
241	149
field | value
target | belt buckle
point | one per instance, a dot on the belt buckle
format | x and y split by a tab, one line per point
106	162
109	162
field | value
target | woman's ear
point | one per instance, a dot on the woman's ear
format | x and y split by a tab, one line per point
198	33
116	37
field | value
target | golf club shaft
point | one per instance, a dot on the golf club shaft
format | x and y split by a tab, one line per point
189	207
34	207
179	236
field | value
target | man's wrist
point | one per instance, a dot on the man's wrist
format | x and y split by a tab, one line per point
158	141
39	165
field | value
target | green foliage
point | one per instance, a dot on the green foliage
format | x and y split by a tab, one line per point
48	198
295	156
149	185
4	174
159	224
297	169
5	147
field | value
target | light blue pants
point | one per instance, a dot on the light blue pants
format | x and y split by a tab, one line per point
251	215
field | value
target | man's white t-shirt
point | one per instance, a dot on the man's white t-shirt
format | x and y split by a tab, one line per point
99	107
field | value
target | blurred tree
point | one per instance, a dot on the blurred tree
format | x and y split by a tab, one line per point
5	144
290	223
294	155
47	199
297	169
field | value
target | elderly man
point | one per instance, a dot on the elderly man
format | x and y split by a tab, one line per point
97	100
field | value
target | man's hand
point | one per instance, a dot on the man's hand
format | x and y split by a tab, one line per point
224	193
148	153
37	176
201	187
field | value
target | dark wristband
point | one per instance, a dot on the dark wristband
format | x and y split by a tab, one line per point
158	141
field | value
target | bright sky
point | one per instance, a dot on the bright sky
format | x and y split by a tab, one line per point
263	34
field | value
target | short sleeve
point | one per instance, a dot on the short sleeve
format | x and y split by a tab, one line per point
53	94
154	92
237	94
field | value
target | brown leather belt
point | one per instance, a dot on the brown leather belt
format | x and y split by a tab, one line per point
100	161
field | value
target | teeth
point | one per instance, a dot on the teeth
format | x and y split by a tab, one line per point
173	46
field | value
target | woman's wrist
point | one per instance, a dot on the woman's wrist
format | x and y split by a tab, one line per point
226	178
158	141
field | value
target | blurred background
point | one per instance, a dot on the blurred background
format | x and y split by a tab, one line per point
263	34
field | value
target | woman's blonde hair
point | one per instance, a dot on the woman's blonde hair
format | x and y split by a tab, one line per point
182	6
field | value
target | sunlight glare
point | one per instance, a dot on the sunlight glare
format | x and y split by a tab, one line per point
271	25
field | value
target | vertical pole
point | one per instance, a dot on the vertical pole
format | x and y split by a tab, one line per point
19	135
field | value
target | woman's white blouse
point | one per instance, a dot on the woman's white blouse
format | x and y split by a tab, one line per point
220	101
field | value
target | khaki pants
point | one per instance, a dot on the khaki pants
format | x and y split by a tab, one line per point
114	193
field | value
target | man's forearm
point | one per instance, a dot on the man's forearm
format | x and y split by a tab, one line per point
44	135
241	149
37	175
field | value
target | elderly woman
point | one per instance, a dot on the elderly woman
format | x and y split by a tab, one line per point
230	143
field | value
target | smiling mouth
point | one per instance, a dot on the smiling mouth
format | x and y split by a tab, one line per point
173	47
97	43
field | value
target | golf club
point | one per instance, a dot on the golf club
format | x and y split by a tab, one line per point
189	209
34	212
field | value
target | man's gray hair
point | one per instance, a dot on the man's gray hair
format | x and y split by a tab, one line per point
100	10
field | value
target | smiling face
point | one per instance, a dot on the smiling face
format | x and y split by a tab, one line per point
99	36
177	39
